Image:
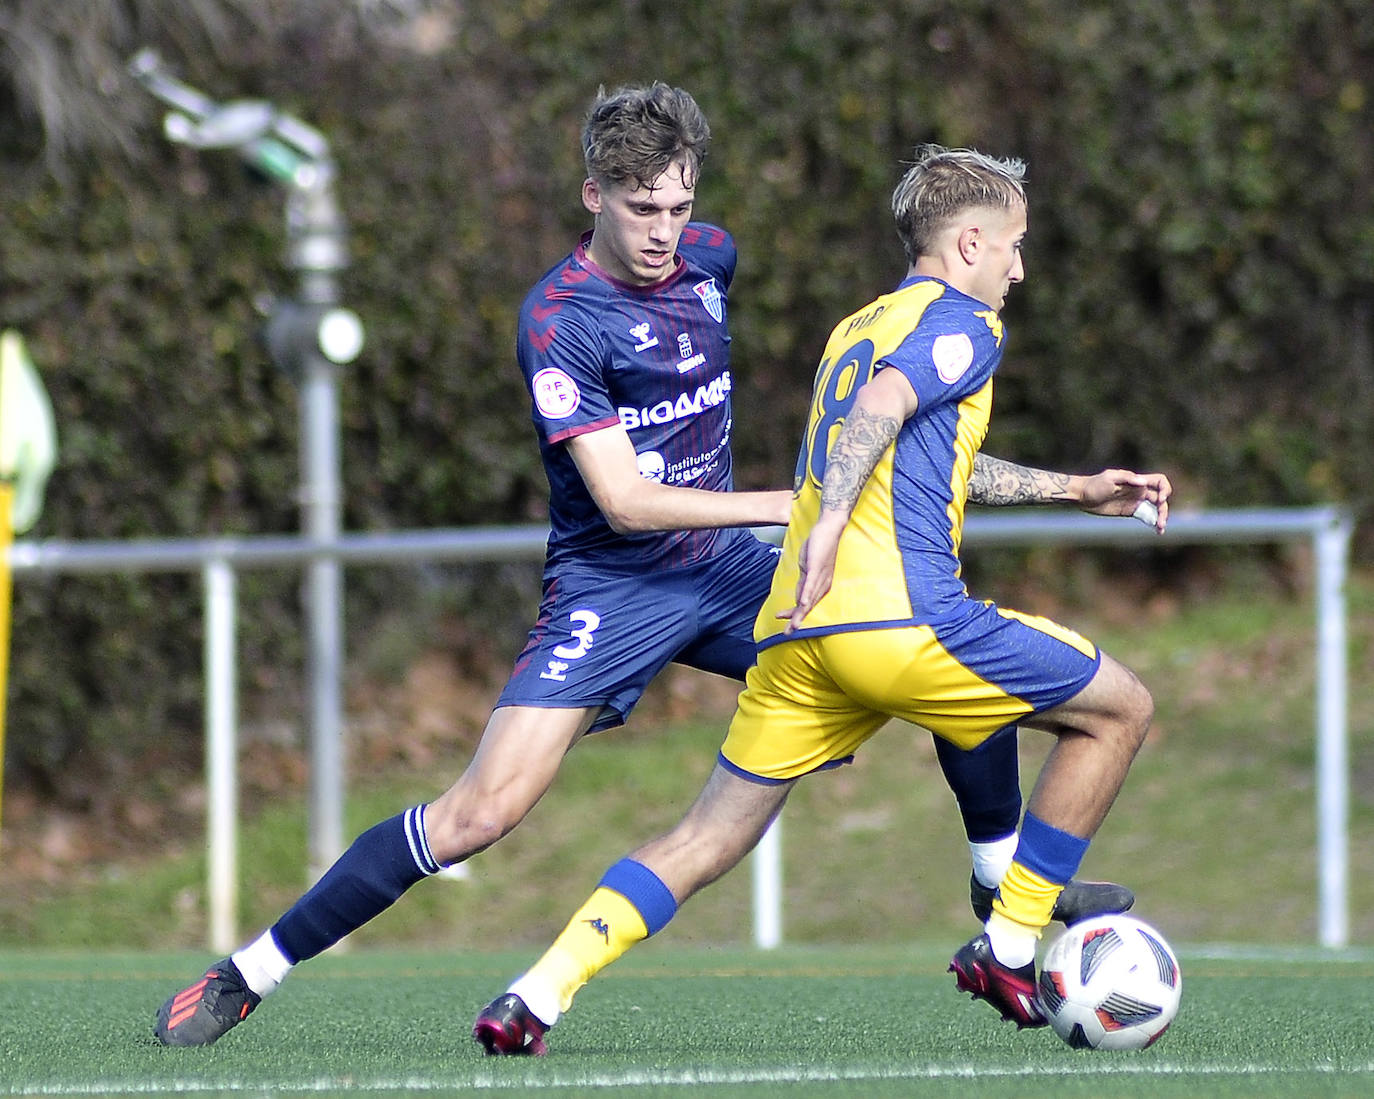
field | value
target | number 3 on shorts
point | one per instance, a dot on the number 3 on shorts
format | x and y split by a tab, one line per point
584	624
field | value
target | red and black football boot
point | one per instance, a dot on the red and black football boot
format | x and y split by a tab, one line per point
1011	991
506	1027
209	1009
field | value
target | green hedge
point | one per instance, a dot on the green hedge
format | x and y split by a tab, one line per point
1200	274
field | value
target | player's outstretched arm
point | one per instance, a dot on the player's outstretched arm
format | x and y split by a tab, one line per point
997	482
881	406
633	504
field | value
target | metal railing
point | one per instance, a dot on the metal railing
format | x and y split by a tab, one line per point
218	560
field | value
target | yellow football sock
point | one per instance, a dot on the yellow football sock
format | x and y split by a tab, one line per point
1025	900
600	931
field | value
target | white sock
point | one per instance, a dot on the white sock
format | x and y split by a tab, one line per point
1013	946
542	1002
991	859
262	964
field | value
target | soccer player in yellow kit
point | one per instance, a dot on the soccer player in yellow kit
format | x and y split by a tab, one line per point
868	618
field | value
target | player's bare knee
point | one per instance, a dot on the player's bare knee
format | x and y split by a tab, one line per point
1137	708
458	826
1130	703
1142	703
1147	711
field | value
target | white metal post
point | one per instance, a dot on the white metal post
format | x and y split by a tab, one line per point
767	873
221	753
1332	550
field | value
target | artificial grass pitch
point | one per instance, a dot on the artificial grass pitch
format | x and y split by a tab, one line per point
800	1021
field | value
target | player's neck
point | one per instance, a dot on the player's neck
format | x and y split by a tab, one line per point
933	267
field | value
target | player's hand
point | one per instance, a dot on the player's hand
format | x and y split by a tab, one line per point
816	571
1121	492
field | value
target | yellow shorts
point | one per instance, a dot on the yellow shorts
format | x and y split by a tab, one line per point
810	702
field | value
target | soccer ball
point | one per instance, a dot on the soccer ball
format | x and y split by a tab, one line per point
1110	982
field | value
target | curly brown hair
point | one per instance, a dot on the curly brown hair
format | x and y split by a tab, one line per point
631	135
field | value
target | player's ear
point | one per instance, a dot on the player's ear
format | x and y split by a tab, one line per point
970	242
591	195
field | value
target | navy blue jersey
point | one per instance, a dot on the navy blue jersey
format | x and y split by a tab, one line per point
595	352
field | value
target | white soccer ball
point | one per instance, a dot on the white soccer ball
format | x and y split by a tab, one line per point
1110	982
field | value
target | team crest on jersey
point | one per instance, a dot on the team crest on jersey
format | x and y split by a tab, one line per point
952	355
687	359
555	394
711	297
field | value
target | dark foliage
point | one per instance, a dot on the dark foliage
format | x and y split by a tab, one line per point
1200	284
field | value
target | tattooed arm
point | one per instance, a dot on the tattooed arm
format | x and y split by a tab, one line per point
862	441
999	482
1111	492
881	407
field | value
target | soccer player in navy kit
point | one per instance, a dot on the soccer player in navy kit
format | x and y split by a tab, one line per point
624	347
868	618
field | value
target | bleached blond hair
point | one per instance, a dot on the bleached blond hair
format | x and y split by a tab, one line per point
943	183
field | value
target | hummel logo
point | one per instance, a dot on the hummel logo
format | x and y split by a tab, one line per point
600	926
646	339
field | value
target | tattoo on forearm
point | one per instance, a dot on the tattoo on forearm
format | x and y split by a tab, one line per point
995	481
860	444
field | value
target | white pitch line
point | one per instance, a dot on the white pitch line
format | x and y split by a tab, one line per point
689	1078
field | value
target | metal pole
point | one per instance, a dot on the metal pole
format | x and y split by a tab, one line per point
297	156
221	753
315	250
324	610
1332	547
767	873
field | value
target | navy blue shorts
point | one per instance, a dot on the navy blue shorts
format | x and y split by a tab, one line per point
600	639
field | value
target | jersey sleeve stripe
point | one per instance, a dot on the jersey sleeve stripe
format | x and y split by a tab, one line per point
583	429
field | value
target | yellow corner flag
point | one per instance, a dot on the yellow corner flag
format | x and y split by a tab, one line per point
28	451
28	435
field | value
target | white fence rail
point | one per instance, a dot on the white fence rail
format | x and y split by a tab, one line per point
219	560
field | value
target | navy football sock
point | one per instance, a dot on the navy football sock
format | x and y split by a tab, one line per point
986	782
382	863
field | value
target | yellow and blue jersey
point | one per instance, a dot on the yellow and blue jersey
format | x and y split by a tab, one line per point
898	561
898	635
